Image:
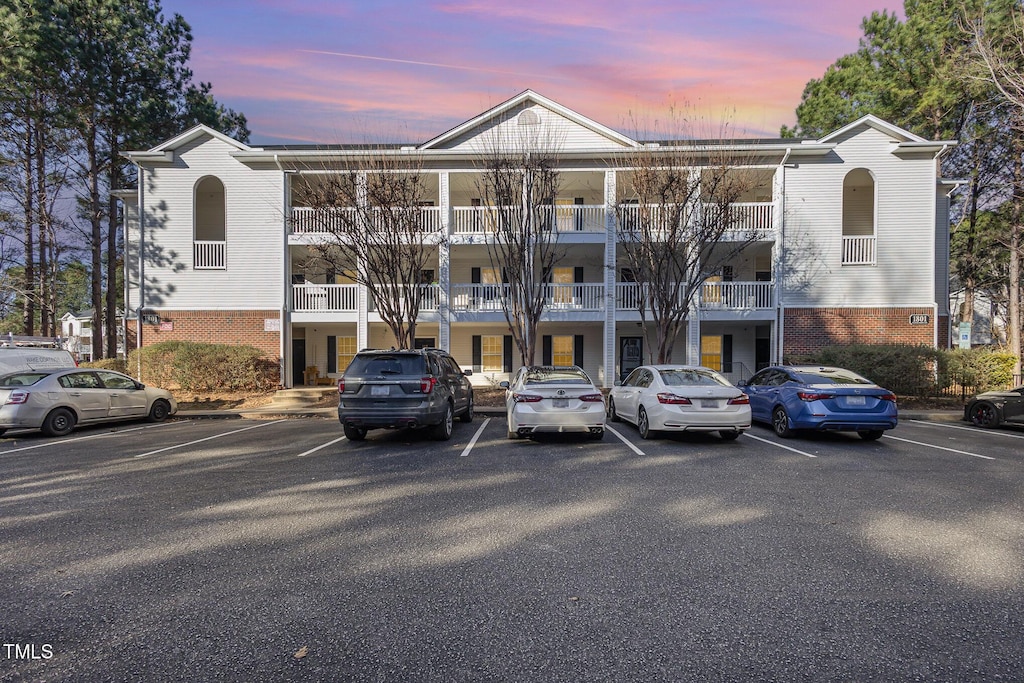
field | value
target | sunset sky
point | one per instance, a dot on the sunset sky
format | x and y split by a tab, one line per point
400	70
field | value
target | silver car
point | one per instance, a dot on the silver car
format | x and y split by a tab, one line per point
54	401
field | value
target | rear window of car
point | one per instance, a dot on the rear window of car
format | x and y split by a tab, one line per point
692	378
830	376
22	379
556	376
396	364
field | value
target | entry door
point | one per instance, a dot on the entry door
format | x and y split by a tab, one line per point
631	355
298	362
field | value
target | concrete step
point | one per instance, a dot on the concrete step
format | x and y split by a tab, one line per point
301	397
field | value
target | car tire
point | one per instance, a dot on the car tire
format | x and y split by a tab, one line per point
780	423
612	415
985	415
643	424
160	411
443	430
467	416
353	433
729	434
871	434
58	423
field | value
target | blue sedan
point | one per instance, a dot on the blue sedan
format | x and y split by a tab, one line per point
796	397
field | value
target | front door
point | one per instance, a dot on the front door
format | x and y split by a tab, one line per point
298	362
631	355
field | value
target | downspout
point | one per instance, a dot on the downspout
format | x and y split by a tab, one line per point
142	270
285	332
935	304
780	311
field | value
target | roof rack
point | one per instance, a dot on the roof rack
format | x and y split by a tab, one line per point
16	340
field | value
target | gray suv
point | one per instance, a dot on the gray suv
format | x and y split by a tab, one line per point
406	388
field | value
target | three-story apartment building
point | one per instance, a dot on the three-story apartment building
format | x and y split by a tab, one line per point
852	247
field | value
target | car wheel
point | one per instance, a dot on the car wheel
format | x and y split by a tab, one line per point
160	410
467	416
597	436
729	434
871	434
58	423
612	415
984	415
354	433
643	424
780	423
443	430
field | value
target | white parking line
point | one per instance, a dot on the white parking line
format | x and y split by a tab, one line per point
748	435
215	436
623	440
472	441
314	450
105	435
941	448
976	430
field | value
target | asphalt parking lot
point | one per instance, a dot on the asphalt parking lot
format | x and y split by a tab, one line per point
259	550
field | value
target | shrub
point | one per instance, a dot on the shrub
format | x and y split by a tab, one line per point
118	364
905	369
976	370
199	367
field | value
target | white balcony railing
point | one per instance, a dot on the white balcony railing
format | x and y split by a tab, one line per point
744	217
310	220
737	295
309	297
630	296
208	255
859	251
430	296
579	296
469	220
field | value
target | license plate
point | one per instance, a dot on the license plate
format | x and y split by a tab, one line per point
856	401
560	402
708	403
379	391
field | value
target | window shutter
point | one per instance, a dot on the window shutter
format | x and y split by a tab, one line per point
727	353
507	360
474	276
577	274
578	201
546	349
332	353
577	350
478	353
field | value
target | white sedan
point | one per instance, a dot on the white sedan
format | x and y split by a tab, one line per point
680	398
553	399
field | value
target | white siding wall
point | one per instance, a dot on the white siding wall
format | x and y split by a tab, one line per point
254	233
905	208
553	128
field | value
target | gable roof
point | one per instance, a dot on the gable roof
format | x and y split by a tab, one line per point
524	98
198	131
878	124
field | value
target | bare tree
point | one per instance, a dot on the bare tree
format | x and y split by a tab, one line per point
998	41
372	224
680	224
518	183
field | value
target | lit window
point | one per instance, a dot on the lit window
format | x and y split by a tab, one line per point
346	352
492	353
562	350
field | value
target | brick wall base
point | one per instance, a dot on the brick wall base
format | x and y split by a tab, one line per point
214	327
810	329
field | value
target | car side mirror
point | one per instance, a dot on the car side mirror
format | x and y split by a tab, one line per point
467	372
743	383
140	385
618	383
504	385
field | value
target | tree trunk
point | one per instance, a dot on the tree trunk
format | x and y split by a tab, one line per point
28	317
96	241
110	317
1014	322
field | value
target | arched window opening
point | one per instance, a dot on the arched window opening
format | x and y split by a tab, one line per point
859	218
209	237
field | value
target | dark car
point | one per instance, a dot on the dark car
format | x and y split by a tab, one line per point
797	397
995	407
405	388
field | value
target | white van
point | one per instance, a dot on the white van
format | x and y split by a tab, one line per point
32	353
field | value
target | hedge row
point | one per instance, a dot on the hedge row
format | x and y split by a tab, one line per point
198	367
920	370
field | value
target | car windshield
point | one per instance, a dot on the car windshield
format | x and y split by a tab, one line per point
692	377
830	376
391	364
538	376
22	379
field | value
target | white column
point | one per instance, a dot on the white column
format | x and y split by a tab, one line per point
610	245
444	339
362	295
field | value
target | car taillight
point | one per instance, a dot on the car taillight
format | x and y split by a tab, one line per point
888	397
592	398
526	398
740	400
673	400
341	385
427	384
813	395
17	397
